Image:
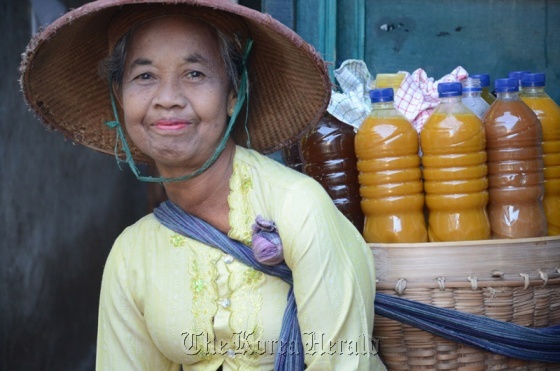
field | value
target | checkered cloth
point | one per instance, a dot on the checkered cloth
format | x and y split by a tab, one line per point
416	98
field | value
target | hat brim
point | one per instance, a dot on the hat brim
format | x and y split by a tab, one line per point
289	82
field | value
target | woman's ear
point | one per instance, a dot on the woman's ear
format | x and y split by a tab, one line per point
232	100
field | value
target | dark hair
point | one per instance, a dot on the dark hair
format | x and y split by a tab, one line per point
112	67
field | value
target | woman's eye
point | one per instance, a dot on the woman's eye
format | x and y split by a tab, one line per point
144	76
195	74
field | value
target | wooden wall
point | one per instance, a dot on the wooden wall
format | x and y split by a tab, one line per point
483	36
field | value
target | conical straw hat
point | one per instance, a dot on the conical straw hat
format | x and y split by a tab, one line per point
289	83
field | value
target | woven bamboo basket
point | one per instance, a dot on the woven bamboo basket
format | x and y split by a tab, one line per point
508	280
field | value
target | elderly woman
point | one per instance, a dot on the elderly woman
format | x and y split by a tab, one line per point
248	265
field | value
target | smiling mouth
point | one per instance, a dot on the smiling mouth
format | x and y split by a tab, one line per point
171	124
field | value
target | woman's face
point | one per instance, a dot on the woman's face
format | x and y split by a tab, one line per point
175	92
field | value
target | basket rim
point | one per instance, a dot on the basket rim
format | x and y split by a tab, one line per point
489	262
517	241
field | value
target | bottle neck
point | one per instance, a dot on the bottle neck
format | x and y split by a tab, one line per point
383	105
455	99
509	95
471	94
533	90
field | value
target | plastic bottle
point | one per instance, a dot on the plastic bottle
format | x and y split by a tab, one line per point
515	165
291	157
485	84
328	156
390	176
517	75
454	159
548	112
472	97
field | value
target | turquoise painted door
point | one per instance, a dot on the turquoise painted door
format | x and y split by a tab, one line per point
483	36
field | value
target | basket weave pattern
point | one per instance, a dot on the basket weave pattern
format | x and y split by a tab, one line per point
530	298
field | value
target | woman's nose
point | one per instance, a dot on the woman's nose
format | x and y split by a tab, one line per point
170	94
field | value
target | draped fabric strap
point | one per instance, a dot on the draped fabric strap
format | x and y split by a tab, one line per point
290	355
505	338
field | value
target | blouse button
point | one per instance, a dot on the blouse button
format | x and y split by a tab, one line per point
228	259
231	353
225	302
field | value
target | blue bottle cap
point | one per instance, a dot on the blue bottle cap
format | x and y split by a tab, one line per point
484	79
533	79
517	75
506	85
381	95
450	89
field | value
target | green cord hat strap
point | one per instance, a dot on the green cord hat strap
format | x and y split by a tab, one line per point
242	96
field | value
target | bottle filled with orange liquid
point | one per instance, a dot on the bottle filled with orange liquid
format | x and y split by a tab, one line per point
486	94
515	165
454	168
548	112
390	176
328	156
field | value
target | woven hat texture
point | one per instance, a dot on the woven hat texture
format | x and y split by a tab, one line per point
289	83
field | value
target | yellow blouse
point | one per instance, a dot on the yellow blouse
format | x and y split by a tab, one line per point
167	300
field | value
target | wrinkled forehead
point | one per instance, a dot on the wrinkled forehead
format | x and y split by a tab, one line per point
187	38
